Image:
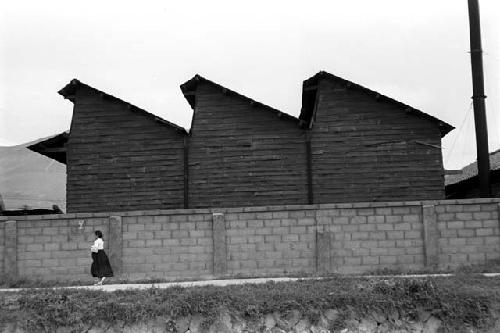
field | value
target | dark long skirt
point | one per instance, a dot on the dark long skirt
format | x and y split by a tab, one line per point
100	265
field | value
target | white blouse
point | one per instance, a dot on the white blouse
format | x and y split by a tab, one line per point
98	245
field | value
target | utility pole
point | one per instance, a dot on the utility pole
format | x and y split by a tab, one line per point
476	55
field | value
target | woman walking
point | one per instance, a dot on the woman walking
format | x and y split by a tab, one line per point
100	268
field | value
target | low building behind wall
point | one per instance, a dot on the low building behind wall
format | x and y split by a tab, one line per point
257	241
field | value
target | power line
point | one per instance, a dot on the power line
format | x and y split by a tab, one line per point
466	116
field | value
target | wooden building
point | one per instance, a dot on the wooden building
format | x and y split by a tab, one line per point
349	144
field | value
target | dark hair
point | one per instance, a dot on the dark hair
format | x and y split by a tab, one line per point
98	233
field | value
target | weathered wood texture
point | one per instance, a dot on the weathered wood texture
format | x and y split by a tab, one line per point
369	150
121	160
243	155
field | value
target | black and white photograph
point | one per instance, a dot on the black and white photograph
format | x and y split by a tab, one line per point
250	166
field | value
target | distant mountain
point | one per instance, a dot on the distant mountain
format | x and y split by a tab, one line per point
30	179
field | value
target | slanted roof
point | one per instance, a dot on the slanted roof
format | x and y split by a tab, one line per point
53	147
470	170
309	88
189	89
70	89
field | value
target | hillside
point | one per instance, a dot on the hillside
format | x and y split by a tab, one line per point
28	178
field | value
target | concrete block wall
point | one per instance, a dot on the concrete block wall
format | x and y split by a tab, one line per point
270	242
468	233
171	246
2	239
257	241
369	238
57	248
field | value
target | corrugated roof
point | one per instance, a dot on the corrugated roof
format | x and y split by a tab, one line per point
308	91
470	171
189	87
69	90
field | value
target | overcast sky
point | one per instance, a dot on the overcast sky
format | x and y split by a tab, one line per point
141	51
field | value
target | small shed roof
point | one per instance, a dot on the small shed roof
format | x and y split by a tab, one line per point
53	147
188	88
309	88
470	170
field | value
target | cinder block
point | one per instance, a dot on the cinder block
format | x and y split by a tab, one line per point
307	221
280	231
385	226
153	243
379	251
360	252
395	234
482	215
455	224
145	235
255	223
476	258
394	219
341	220
135	227
371	260
279	215
446	216
179	218
472	208
358	219
376	219
272	238
366	227
291	238
196	233
379	235
454	208
352	261
412	218
152	226
387	244
484	232
464	216
388	259
359	235
170	226
347	212
402	226
180	234
272	223
187	225
51	247
34	247
412	234
473	224
491	224
136	243
465	233
350	227
266	215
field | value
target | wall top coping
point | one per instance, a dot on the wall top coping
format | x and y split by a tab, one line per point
158	212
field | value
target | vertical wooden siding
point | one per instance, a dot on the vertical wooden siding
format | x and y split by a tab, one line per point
120	160
365	150
243	155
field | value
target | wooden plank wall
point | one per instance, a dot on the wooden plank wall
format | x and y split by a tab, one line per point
243	155
368	150
120	160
